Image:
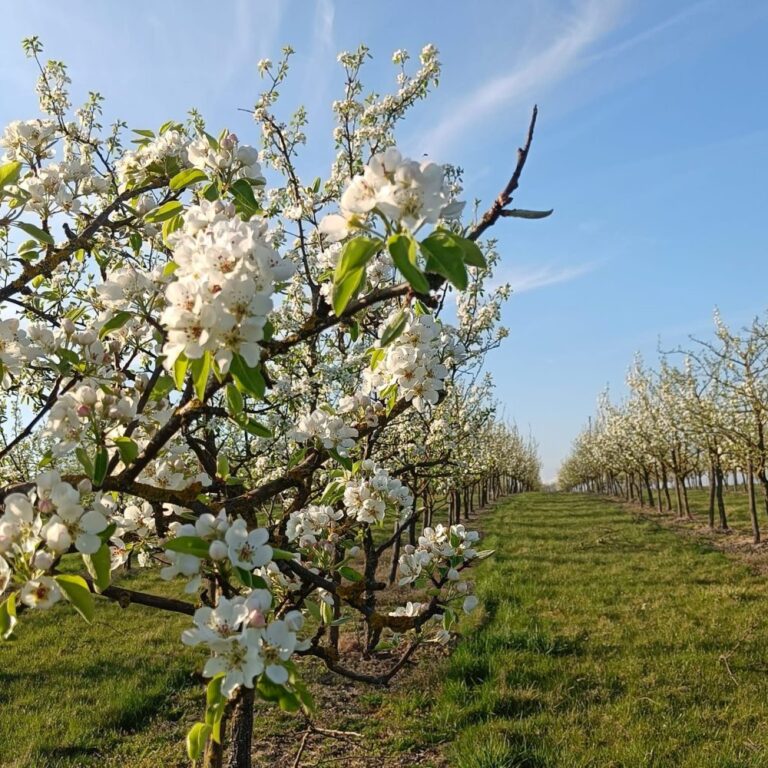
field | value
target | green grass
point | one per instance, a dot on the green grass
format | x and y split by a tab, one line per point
606	641
78	695
736	508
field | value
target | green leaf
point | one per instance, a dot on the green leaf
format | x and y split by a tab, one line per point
314	609
46	460
472	253
350	574
9	174
170	226
394	329
268	690
347	289
117	321
289	702
186	178
36	232
108	533
211	191
162	387
304	695
201	370
180	371
349	275
164	212
188	545
345	461
245	201
8	616
282	554
128	448
252	427
99	565
521	213
250	379
234	400
445	257
213	693
356	254
296	457
377	355
76	591
215	707
170	268
30	247
402	248
196	738
100	465
85	461
250	580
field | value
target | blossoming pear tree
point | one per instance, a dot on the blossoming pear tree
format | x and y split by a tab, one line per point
705	417
248	382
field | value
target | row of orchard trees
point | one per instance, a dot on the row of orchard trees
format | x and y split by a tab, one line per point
699	419
249	382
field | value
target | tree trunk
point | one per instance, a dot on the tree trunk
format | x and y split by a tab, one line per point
647	479
711	508
685	502
720	501
678	494
666	487
752	505
240	734
658	491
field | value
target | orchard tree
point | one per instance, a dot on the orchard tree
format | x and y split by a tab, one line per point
247	381
706	416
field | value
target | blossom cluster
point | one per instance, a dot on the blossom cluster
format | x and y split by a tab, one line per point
222	291
85	407
441	553
227	158
412	363
169	149
372	491
243	643
227	540
40	525
309	525
16	349
406	192
332	432
28	141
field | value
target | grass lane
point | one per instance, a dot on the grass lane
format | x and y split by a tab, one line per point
608	642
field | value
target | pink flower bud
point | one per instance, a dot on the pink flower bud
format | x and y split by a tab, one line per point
256	619
45	506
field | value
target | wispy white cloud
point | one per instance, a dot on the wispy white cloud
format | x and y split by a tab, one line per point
322	37
525	279
254	36
558	58
319	67
683	16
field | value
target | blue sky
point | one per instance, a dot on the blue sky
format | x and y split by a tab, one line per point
652	147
